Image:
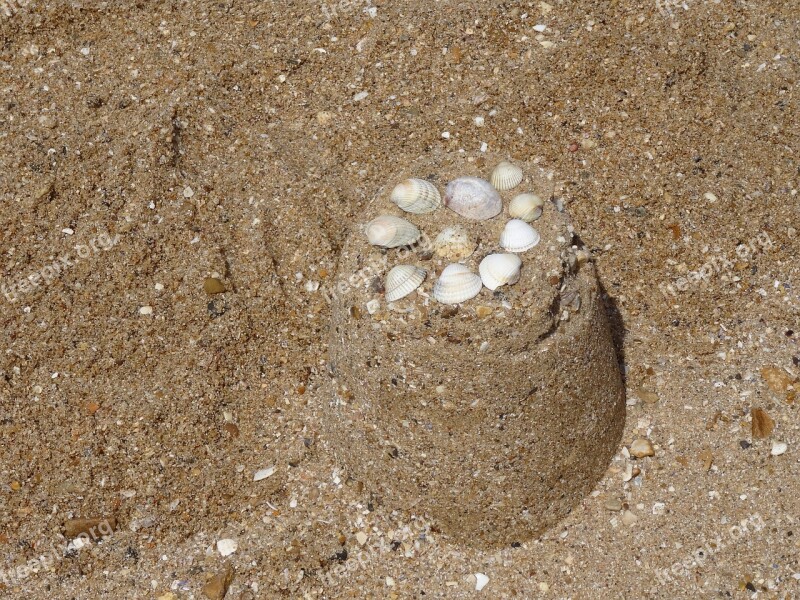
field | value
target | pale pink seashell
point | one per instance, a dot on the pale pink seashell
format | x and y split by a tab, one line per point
473	198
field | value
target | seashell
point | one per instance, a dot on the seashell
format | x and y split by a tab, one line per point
402	280
454	244
391	232
527	207
473	198
506	176
456	284
416	196
500	269
518	236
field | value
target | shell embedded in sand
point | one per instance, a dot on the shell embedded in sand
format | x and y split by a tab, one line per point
500	269
506	176
454	244
518	236
473	198
391	232
416	196
457	284
402	280
527	207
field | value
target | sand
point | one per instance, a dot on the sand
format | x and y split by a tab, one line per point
148	146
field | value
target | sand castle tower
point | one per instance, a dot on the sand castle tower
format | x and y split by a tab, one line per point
474	377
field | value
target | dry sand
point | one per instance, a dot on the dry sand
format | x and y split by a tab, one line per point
146	146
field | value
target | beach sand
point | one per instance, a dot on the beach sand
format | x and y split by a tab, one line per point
146	147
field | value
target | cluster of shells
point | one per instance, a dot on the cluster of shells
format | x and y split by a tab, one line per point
472	198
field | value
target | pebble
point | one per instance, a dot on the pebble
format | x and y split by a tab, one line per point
483	311
47	121
613	504
212	285
628	518
373	306
361	538
264	473
227	546
777	379
92	527
480	581
642	448
217	586
778	448
762	424
146	310
188	192
360	96
646	396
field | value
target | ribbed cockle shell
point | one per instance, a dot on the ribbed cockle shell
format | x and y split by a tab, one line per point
518	236
391	232
506	176
456	284
454	244
500	269
416	196
473	198
402	280
527	207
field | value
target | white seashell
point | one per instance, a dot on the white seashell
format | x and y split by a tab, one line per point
456	284
454	244
473	198
518	236
527	207
500	269
506	176
416	196
391	232
402	280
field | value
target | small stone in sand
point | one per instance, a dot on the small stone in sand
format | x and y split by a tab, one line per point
628	518
762	425
642	448
95	528
613	504
480	581
778	448
146	310
217	586
212	286
264	473
227	546
361	538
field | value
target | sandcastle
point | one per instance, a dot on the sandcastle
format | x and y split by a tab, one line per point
473	374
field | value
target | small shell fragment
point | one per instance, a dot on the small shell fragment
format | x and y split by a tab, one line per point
506	176
402	280
391	232
416	196
527	207
500	269
456	284
518	236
